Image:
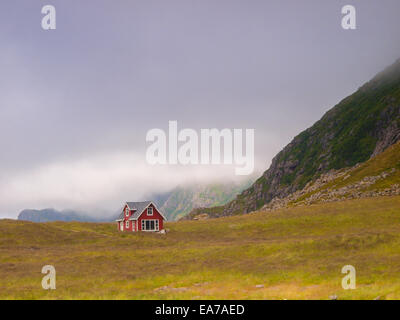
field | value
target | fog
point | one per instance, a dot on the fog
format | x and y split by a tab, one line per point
76	102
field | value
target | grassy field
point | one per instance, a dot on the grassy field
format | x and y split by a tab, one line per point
296	253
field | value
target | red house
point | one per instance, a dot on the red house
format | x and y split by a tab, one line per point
140	216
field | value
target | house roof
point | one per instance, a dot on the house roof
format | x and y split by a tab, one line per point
139	207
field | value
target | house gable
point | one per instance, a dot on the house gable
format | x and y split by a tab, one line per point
123	216
144	212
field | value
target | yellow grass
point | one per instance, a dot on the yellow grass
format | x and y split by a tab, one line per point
296	253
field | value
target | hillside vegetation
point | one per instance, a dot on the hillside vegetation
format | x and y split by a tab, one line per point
379	176
376	176
182	200
294	253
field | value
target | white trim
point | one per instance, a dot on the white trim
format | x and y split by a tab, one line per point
156	225
127	224
159	211
148	211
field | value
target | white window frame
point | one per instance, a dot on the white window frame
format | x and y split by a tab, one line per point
148	211
127	212
121	226
127	224
156	225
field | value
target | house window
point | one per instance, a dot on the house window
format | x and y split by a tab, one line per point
127	211
127	224
121	226
150	211
150	225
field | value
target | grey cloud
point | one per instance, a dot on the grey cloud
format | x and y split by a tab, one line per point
113	70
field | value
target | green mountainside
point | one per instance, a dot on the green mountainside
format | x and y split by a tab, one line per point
362	125
377	177
183	199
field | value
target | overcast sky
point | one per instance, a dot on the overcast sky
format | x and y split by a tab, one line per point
76	102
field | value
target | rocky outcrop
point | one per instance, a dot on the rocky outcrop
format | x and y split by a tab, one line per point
314	192
390	127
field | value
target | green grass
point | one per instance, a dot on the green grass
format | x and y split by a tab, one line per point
296	253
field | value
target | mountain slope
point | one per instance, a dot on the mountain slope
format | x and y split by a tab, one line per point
47	215
183	199
379	176
360	126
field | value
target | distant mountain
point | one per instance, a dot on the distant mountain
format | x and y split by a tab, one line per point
47	215
159	198
175	203
359	127
181	200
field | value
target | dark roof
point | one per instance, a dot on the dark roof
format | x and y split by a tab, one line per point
137	206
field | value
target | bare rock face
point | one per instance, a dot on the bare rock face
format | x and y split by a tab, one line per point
388	128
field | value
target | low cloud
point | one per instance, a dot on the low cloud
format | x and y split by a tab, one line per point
99	184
